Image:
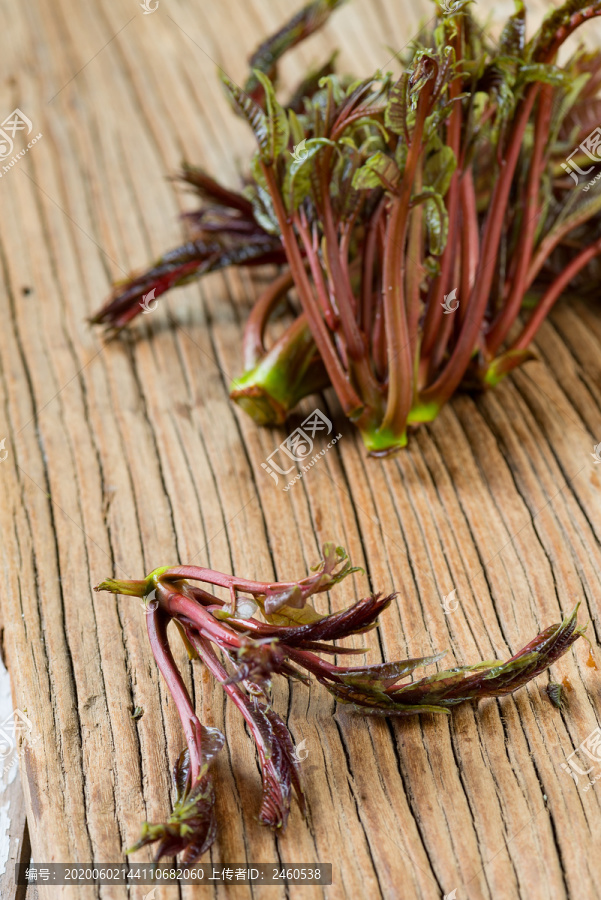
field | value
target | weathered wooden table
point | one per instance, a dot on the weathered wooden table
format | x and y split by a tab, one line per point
127	455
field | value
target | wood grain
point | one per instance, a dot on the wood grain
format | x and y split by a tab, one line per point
128	455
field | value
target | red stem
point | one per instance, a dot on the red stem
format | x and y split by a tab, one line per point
345	241
450	377
365	112
471	234
252	343
449	323
185	608
434	311
414	273
349	399
523	250
311	584
367	274
400	364
354	354
355	342
219	672
215	667
156	623
549	243
553	293
317	273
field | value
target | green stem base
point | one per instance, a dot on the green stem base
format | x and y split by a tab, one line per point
290	371
423	412
381	442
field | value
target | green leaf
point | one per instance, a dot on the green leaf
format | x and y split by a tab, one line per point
497	83
544	73
263	210
290	617
251	111
379	171
278	130
334	90
302	24
404	709
441	114
297	132
346	200
561	20
437	219
395	117
439	169
297	181
513	35
384	675
330	570
259	196
426	66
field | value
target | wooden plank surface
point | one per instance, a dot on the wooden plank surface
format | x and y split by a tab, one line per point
126	456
